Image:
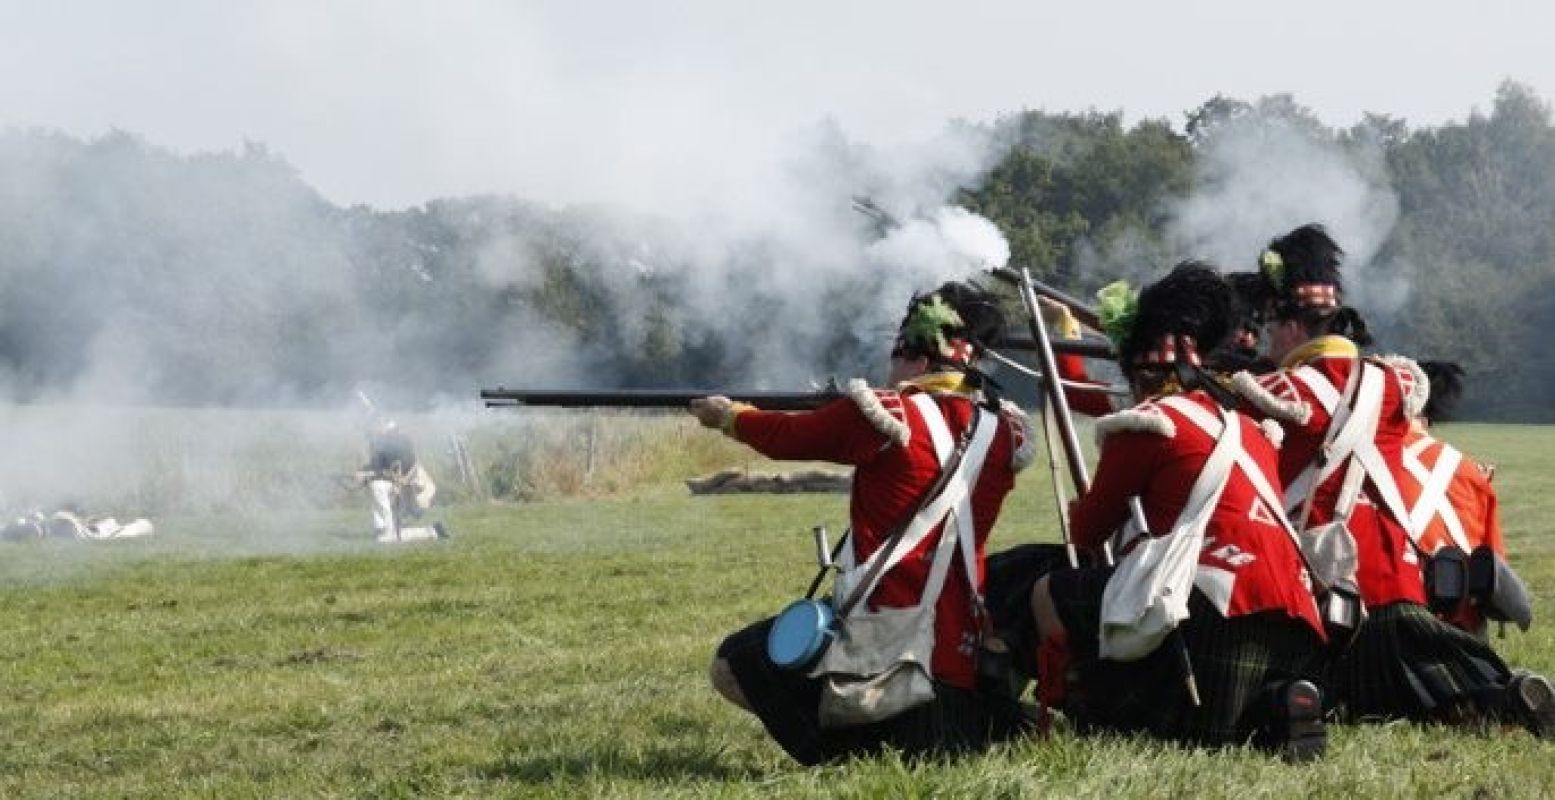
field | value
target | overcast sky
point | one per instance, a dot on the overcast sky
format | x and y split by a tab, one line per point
393	102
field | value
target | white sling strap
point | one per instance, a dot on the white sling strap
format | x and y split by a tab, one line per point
1357	439
954	501
1321	387
1381	476
1147	595
1433	481
961	515
1342	416
1206	491
1254	474
1354	447
1363	444
1338	412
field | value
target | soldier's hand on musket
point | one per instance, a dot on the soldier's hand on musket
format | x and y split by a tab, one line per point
711	411
1058	317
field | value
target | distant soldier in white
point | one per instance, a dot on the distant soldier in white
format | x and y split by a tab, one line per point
398	486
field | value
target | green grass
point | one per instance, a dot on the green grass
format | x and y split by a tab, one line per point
559	648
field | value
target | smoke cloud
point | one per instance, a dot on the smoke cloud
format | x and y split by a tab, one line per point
137	278
1258	176
766	274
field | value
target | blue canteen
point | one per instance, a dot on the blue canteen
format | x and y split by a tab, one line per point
800	633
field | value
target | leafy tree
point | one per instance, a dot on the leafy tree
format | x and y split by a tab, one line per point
1073	178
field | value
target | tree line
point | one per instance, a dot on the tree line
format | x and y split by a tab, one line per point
1472	249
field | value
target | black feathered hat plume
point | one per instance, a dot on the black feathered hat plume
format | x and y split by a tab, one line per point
950	326
1302	268
1446	388
1253	293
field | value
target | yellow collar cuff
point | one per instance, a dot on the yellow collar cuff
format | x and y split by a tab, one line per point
940	382
1322	347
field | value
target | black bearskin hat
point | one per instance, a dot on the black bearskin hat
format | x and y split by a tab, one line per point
952	325
1190	311
1240	352
1253	296
1446	388
1302	268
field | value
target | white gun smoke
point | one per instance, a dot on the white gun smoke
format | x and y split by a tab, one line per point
1257	178
144	270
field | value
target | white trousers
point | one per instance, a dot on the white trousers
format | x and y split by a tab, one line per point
386	518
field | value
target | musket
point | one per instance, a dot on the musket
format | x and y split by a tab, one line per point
1052	392
1088	348
768	400
1082	312
654	398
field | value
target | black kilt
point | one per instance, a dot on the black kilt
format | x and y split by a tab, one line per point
788	704
1009	579
1405	663
1237	663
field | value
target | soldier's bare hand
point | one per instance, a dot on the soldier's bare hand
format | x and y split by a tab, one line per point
1058	317
711	411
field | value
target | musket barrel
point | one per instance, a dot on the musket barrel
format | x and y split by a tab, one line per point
1053	392
1088	348
650	398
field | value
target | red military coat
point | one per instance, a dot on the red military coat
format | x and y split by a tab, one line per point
1389	566
1469	500
886	440
1248	563
1082	400
1469	495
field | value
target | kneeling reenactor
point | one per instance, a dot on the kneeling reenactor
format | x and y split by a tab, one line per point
905	557
1205	631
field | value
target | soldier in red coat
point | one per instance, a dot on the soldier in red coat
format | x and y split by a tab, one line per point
885	436
1346	419
1463	512
1206	479
1448	494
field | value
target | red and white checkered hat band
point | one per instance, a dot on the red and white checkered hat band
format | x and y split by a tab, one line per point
1169	350
1317	295
961	351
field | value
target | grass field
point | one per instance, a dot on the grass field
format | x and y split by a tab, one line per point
558	648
